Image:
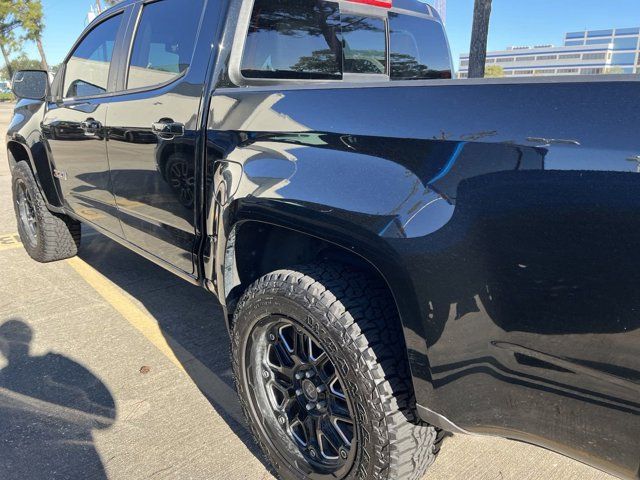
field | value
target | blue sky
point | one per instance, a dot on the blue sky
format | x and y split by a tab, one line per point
514	22
536	22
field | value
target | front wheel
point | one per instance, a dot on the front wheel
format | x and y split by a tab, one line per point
322	374
46	236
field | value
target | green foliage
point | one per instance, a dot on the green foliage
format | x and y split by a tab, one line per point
21	62
494	71
29	14
6	97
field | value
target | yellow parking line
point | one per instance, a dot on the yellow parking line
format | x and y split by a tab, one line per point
10	241
134	315
206	380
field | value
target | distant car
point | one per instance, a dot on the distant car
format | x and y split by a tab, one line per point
397	254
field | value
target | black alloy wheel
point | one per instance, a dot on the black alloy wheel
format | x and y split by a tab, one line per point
46	236
299	392
323	378
26	212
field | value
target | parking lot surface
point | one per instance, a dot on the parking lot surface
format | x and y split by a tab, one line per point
123	373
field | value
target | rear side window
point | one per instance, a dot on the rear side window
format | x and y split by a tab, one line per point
87	71
293	39
419	49
364	44
164	42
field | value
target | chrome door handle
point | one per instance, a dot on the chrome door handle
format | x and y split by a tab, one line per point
90	125
168	130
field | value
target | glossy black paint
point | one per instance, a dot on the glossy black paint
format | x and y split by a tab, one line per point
504	216
513	259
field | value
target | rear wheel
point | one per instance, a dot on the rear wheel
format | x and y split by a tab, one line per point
322	374
46	236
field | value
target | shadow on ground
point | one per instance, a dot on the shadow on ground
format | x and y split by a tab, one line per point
49	408
190	318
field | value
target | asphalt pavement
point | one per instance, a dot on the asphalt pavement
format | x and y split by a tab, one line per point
122	372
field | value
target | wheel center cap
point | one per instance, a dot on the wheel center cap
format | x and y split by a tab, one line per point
309	389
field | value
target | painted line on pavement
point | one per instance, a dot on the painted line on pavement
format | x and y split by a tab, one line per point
10	241
206	380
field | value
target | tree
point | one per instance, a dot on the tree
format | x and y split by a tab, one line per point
22	62
8	25
494	71
479	35
30	15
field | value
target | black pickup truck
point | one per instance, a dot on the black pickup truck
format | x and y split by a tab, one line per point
398	254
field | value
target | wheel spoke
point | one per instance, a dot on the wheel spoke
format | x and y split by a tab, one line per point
300	345
327	433
305	393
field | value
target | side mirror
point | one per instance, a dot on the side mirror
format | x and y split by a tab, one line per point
31	84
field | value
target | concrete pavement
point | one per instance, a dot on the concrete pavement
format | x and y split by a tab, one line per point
127	376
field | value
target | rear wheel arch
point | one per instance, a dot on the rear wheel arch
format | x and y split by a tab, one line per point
256	248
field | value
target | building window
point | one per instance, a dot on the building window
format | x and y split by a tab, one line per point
599	41
523	72
505	60
463	75
574	43
568	71
491	60
525	59
569	56
628	43
623	59
599	33
575	35
546	57
464	63
594	56
628	31
591	71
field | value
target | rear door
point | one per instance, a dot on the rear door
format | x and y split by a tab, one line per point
74	125
153	127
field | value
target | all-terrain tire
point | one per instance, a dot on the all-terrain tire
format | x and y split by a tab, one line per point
53	237
355	319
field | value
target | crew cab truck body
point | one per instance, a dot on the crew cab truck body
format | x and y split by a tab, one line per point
397	253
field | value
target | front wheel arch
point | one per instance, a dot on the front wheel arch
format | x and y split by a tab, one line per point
41	169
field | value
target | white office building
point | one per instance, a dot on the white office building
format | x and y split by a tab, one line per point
590	52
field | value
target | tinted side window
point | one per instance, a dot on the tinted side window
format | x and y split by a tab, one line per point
418	49
364	44
87	71
293	39
164	43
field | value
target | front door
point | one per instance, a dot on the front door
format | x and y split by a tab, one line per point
74	127
153	130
